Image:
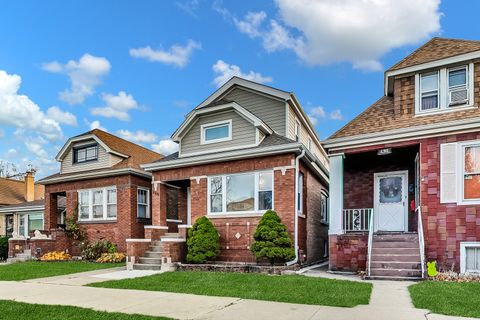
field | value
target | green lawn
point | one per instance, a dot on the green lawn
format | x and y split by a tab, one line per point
450	298
19	310
34	269
288	288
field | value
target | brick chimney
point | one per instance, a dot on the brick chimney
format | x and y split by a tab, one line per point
29	186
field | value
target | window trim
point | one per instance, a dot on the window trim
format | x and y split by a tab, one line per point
297	130
75	149
90	204
299	194
463	254
224	211
443	95
325	217
148	214
467	81
439	91
217	124
461	170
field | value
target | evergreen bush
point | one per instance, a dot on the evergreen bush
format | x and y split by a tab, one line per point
3	248
203	243
272	240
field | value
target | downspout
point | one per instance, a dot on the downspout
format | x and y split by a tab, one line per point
297	172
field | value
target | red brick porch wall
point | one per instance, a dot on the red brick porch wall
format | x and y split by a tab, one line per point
126	226
236	233
348	252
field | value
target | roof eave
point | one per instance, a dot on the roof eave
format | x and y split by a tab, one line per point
94	175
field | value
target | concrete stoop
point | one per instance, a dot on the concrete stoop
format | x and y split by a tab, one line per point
154	259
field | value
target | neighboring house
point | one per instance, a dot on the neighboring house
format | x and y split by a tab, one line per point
103	187
247	148
21	206
413	153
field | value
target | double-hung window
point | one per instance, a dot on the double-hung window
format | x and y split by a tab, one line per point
85	153
143	203
429	91
471	172
300	194
216	132
97	204
297	130
457	86
324	207
444	90
241	193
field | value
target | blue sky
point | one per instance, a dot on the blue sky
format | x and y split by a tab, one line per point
136	68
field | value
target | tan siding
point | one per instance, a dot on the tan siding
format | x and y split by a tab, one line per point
243	133
271	111
104	160
291	123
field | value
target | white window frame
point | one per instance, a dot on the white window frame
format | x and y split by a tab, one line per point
467	76
297	130
443	91
212	125
224	211
463	255
439	91
309	144
90	204
461	170
326	214
147	214
299	195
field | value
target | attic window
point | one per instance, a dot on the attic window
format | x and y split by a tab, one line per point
216	132
85	153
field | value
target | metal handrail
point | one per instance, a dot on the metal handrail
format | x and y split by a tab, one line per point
370	241
421	239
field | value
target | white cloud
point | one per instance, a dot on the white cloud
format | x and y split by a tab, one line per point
165	147
357	32
316	113
336	115
224	71
189	6
19	111
139	136
85	74
116	106
61	116
177	55
96	125
36	146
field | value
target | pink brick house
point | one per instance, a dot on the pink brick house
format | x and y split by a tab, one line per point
405	173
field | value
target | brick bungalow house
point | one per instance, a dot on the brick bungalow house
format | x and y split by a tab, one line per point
247	148
101	182
21	205
405	173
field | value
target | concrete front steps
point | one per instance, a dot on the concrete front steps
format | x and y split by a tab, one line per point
395	256
153	258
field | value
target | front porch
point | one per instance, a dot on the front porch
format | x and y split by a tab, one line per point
374	216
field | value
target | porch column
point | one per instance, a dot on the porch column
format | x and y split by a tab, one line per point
50	211
336	194
159	204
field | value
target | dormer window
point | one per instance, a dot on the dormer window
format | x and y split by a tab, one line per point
216	132
444	90
85	153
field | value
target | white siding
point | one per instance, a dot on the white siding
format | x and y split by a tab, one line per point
105	160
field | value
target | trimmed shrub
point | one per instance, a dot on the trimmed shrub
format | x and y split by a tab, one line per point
203	243
94	251
272	240
3	248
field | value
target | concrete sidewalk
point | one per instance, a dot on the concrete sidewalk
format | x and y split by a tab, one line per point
390	300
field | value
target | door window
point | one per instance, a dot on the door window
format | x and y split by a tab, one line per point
390	190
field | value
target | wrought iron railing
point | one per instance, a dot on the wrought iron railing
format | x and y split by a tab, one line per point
421	239
356	220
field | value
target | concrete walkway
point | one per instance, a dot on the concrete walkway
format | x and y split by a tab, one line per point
390	300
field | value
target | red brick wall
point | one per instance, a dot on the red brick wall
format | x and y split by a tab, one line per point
445	225
233	249
126	225
348	252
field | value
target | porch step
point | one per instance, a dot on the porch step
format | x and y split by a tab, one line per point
396	272
153	254
396	257
141	266
395	244
395	265
156	248
145	260
397	251
171	235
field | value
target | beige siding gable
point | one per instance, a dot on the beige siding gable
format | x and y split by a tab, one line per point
243	134
269	110
105	160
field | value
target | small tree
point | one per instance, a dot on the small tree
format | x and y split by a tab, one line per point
203	241
272	240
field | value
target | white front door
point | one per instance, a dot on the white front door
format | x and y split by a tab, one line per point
391	197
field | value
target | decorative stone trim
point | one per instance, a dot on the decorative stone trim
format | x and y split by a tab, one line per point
156	227
138	240
168	239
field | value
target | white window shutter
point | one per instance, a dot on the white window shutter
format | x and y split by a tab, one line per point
448	173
